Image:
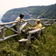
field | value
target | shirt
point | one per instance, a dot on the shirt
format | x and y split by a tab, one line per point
38	26
18	19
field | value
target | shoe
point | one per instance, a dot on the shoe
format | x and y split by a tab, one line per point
22	32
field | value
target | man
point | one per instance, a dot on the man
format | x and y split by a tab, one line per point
20	18
39	25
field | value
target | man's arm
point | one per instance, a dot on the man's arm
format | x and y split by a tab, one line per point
24	20
33	28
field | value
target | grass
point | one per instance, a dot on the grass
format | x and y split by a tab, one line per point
45	46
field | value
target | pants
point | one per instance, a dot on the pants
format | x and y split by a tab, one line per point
15	28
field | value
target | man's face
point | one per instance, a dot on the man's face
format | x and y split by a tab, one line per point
38	22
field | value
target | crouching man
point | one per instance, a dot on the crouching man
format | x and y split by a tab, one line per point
38	26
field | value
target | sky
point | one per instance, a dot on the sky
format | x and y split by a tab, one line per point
6	5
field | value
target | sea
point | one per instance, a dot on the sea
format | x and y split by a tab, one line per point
0	21
4	22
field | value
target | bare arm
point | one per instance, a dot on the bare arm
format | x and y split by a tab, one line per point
33	28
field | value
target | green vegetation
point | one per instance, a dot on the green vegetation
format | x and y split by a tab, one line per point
45	46
31	11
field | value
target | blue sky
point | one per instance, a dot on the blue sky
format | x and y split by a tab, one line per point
6	5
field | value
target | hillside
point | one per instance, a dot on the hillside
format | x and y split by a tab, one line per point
45	46
31	12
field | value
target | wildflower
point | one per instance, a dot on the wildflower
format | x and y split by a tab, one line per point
49	37
3	41
2	53
38	53
8	54
52	46
8	41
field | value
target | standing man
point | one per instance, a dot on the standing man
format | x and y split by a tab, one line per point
20	18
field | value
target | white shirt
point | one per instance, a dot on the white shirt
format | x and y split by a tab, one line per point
18	19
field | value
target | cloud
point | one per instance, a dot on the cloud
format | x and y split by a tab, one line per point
10	4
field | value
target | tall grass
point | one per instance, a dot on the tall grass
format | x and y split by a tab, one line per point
45	46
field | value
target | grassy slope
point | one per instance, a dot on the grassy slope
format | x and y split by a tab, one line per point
45	46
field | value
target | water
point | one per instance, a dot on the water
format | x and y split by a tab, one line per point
6	25
1	21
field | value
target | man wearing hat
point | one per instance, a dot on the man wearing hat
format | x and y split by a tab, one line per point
38	26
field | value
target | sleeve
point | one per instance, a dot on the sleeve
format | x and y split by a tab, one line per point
18	19
23	20
37	27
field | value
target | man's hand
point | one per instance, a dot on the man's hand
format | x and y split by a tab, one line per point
25	20
33	28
